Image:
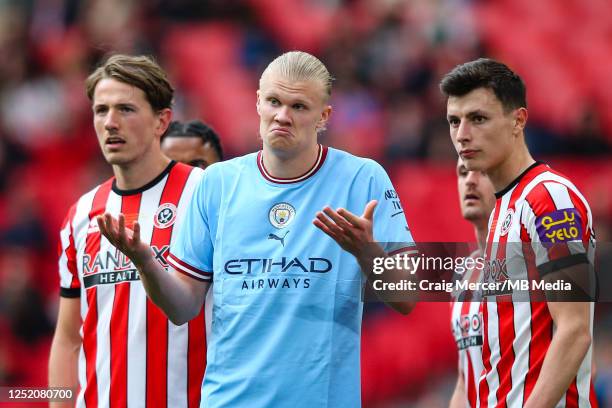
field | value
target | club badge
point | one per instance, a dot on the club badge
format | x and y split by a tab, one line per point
165	215
507	222
281	215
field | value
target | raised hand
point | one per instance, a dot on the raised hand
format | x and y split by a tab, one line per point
351	232
123	238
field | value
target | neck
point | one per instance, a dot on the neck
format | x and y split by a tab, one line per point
512	166
287	165
480	230
135	175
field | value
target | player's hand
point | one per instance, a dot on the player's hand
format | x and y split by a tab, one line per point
123	238
351	232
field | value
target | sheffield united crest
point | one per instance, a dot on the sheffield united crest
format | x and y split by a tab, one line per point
165	215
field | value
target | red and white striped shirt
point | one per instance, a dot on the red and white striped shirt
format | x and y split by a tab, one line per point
541	223
131	355
466	326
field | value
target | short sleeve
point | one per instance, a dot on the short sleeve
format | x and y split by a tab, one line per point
70	286
390	226
558	224
191	251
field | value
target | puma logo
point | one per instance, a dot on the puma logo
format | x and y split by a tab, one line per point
276	237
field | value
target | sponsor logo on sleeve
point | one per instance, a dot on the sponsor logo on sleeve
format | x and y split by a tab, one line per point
559	226
468	331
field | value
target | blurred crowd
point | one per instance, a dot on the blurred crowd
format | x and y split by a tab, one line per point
387	57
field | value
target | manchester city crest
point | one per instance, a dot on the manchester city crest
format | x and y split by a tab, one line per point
165	215
281	215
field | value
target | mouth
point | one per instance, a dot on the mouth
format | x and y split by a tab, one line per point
282	131
114	142
467	153
471	198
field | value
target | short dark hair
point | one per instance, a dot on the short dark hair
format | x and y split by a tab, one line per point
195	128
139	71
507	86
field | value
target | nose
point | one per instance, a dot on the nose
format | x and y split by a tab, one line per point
463	132
472	178
282	115
110	121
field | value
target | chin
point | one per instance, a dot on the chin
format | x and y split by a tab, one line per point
279	143
116	159
471	164
472	214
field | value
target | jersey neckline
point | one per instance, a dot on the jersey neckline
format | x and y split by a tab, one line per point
321	156
147	186
500	193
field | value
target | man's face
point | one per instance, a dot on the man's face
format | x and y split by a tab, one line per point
190	150
476	194
126	126
482	133
290	113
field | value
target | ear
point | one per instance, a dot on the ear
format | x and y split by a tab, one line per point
164	118
520	120
258	103
324	117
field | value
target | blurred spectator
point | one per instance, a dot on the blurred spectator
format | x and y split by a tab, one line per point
21	302
588	137
11	156
23	224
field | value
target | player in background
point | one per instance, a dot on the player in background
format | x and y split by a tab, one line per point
287	293
476	199
535	353
193	143
110	340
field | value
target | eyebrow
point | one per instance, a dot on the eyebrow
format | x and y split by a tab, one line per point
119	105
477	112
471	114
274	95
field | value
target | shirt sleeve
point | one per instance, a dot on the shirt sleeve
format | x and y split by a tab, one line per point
70	285
557	222
191	251
391	229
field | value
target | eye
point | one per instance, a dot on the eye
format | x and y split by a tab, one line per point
299	106
99	110
126	109
479	119
454	122
274	101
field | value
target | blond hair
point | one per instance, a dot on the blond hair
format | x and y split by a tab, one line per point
300	66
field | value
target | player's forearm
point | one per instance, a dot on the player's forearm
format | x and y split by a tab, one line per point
397	300
63	366
167	291
458	399
567	350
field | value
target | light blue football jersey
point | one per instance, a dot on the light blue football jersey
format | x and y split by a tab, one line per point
287	299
